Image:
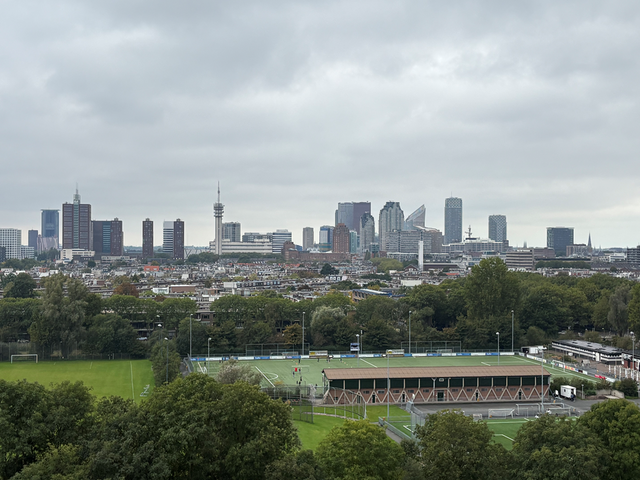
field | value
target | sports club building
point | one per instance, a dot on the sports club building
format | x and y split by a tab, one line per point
435	384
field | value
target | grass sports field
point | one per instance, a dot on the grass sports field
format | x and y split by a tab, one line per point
310	370
126	378
311	434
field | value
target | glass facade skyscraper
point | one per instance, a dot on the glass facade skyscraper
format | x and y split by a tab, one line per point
452	220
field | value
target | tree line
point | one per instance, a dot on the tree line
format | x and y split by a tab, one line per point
198	428
469	310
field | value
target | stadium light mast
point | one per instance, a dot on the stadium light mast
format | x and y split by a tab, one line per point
498	334
166	340
388	385
511	331
302	337
190	319
208	355
542	375
358	352
410	331
633	355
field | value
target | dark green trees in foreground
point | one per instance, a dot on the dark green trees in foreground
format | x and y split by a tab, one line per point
197	428
194	428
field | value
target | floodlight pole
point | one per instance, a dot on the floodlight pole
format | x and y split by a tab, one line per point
208	354
166	340
511	331
190	319
633	355
409	331
388	385
542	376
302	336
498	334
358	352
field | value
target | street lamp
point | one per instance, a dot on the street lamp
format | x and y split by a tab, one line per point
190	318
358	340
302	335
208	355
511	331
409	331
498	334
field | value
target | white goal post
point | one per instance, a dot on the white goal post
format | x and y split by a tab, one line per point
25	355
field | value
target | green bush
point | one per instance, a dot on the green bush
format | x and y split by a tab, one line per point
627	386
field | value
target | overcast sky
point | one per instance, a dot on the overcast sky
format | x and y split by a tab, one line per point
527	109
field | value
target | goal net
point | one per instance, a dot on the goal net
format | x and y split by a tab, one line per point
24	357
501	413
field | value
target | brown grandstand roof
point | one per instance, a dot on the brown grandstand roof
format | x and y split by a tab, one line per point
433	372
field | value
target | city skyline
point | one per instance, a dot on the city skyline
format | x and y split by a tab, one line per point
477	231
529	111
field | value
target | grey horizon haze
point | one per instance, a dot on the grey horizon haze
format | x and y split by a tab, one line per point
526	109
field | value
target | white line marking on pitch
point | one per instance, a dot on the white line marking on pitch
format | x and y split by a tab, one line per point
133	395
265	376
503	435
374	366
487	364
563	370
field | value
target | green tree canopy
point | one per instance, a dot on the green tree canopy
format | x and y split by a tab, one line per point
617	424
453	446
552	447
491	289
22	286
359	450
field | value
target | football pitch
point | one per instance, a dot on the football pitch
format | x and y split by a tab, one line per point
126	378
309	371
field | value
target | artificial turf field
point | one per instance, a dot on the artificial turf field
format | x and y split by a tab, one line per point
311	369
274	371
125	378
311	434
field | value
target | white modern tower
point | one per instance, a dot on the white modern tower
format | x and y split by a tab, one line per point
218	210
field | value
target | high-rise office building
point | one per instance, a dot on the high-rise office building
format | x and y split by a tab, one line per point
350	213
353	241
558	238
108	238
409	241
325	240
50	224
251	237
367	232
416	219
231	231
452	220
341	239
307	238
147	238
391	218
344	214
33	239
279	237
76	224
11	241
359	209
498	228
